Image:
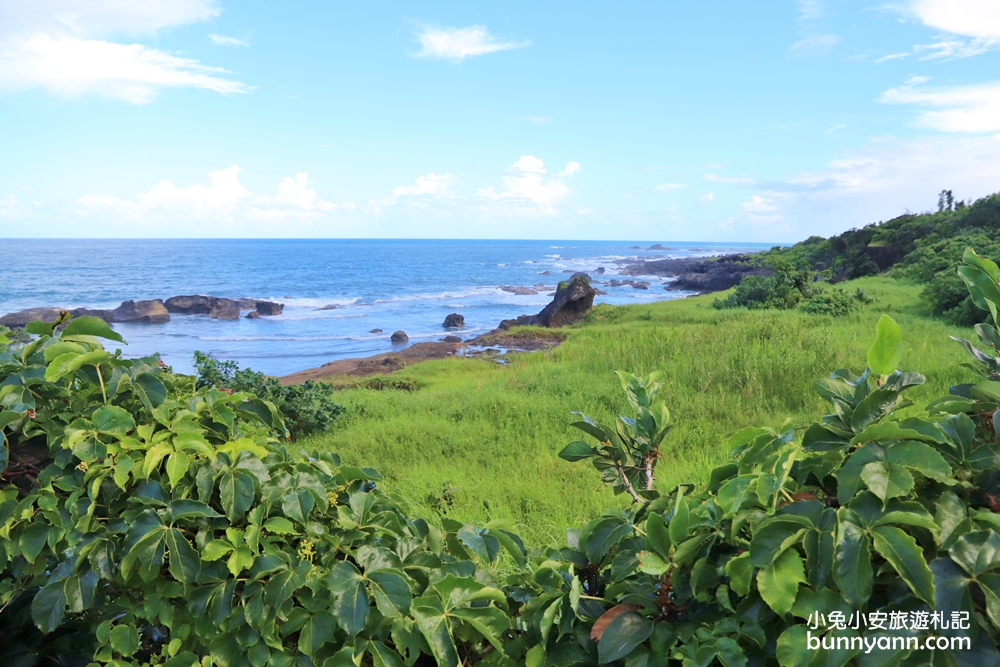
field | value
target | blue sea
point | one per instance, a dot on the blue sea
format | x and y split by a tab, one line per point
408	285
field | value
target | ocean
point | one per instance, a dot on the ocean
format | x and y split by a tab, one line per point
408	285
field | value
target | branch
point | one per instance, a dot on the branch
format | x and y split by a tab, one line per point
649	470
628	484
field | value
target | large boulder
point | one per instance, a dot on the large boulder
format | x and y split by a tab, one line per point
518	289
147	312
192	304
19	319
106	315
399	337
269	308
454	321
571	302
225	311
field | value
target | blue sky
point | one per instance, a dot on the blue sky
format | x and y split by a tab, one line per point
667	121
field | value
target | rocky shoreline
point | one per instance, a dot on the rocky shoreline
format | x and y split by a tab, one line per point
701	275
154	311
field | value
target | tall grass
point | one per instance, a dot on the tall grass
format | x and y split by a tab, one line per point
493	431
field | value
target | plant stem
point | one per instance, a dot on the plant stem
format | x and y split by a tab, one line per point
100	378
649	470
628	484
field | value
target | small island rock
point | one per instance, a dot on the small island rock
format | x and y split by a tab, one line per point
147	312
452	339
454	321
399	337
375	331
269	308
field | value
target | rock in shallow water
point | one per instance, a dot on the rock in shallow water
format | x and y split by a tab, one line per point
399	337
147	312
454	321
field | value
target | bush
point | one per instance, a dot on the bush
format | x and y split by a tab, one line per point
784	289
835	303
307	408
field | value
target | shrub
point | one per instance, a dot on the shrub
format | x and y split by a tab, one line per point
836	303
145	520
307	408
784	289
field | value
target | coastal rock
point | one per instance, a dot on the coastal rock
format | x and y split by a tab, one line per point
399	337
147	312
106	315
571	302
544	273
269	308
580	274
19	319
454	321
657	246
225	311
192	304
330	306
642	285
246	304
698	275
253	315
375	331
634	247
518	289
452	339
599	271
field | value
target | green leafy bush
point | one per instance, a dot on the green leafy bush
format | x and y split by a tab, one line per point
784	289
835	302
144	520
307	408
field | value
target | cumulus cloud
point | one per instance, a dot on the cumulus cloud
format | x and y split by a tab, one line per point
813	45
972	18
222	40
62	46
431	184
571	168
460	43
527	185
706	198
224	199
758	204
973	108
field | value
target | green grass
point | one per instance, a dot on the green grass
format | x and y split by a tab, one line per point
494	431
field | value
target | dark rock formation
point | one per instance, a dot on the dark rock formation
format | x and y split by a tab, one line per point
698	275
194	304
269	308
106	315
253	315
454	321
147	312
225	311
452	339
19	319
544	273
599	271
571	302
327	307
399	337
634	247
375	331
657	246
518	289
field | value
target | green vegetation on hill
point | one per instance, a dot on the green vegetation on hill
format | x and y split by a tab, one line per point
926	247
493	432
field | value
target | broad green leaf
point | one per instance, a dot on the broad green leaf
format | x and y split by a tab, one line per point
792	650
678	526
577	451
775	535
112	420
430	618
657	537
236	491
316	632
32	540
977	552
887	350
906	557
280	525
624	633
489	621
90	326
739	570
215	550
177	467
226	651
729	652
152	387
852	564
297	504
651	563
241	559
124	640
49	606
65	364
383	656
185	562
391	592
887	480
351	606
778	582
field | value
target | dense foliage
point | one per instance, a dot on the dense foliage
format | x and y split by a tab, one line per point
926	247
785	288
146	520
307	408
835	302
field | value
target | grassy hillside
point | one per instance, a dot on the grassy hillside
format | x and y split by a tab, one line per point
493	431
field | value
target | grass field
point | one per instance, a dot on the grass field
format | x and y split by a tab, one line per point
493	431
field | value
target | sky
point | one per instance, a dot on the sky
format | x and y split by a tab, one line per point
765	121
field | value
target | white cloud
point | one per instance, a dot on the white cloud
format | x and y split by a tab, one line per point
224	200
528	184
431	184
12	208
222	40
810	9
571	168
891	56
706	198
758	204
972	18
974	108
461	43
814	45
734	180
667	187
59	45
